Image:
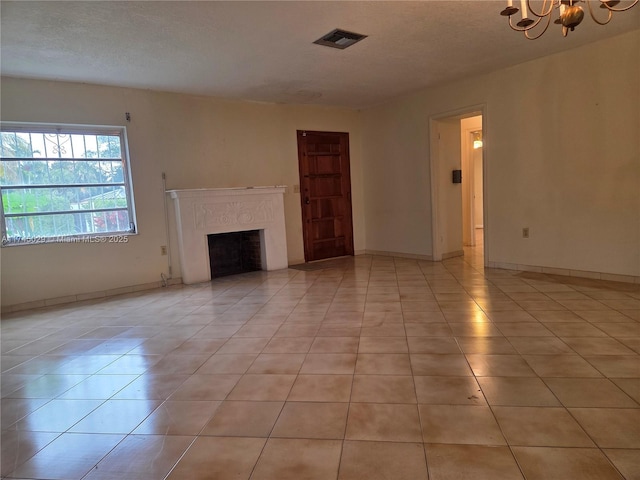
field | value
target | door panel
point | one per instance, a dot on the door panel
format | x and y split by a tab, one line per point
325	194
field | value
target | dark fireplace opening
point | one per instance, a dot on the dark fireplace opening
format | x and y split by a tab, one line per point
236	252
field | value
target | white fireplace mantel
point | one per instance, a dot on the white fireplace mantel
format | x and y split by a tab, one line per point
205	211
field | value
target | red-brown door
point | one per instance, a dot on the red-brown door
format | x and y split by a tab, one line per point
325	194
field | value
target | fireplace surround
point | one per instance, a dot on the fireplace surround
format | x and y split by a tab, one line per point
206	211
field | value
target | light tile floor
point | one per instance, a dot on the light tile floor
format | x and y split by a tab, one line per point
384	368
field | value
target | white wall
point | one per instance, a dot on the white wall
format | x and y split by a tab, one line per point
396	178
562	157
198	141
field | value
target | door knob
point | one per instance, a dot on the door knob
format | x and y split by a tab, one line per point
307	201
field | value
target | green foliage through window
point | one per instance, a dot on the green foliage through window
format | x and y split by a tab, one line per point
62	182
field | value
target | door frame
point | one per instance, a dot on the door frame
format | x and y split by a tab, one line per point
435	170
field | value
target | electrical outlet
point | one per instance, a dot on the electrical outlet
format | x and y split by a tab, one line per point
163	250
525	232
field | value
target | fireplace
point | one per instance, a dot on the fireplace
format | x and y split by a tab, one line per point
233	253
208	211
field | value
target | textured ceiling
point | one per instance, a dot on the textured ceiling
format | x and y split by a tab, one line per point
263	51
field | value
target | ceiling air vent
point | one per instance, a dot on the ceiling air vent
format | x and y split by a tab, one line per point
339	39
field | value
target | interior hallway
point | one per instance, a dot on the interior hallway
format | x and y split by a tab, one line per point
378	368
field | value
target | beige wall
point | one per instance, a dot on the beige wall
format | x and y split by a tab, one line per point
198	142
396	177
562	157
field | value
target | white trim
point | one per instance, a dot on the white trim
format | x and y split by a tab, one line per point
414	256
84	297
566	272
75	128
456	253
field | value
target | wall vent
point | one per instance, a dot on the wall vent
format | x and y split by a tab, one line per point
339	39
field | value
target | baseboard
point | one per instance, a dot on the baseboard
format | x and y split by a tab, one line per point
399	254
457	253
610	277
82	297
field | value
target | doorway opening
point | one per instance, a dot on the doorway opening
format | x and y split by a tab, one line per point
459	210
471	144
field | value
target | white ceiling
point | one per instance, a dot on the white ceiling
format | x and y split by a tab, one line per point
263	51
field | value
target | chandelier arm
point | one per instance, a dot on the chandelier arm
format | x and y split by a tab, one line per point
570	14
543	13
523	29
620	9
526	33
593	16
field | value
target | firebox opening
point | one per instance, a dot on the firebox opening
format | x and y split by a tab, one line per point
235	252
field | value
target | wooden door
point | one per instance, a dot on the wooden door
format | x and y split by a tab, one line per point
325	194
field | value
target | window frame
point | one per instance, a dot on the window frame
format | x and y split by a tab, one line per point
120	236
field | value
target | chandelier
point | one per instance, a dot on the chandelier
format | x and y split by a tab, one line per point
570	14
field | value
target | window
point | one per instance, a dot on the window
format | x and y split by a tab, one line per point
63	183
